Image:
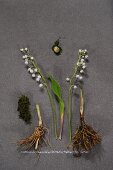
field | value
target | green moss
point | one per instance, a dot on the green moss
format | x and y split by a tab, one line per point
23	108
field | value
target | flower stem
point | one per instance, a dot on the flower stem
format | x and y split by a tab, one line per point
73	78
70	113
54	112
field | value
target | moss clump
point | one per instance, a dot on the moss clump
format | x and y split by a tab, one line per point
23	108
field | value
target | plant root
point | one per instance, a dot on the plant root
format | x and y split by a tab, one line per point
84	139
34	140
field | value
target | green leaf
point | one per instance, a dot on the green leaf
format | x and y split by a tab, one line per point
56	89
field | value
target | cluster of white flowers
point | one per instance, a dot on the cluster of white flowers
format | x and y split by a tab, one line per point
32	69
80	67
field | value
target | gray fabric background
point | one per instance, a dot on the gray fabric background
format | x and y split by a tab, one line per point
37	24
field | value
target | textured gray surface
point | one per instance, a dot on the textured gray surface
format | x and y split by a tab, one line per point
37	24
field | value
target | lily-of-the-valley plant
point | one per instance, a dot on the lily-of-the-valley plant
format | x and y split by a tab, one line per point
74	82
44	83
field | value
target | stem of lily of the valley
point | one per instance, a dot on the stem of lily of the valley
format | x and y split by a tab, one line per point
72	79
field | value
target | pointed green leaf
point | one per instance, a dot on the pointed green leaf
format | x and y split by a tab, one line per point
56	89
